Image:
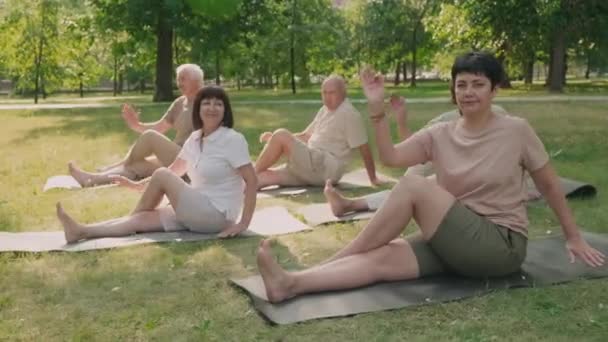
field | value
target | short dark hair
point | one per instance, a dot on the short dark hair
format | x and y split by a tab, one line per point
209	92
477	62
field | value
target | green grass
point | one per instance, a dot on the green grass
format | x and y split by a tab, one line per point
180	291
424	89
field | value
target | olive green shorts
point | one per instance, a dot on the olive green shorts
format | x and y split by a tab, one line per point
468	244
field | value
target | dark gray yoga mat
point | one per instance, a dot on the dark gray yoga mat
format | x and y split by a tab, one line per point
571	188
546	264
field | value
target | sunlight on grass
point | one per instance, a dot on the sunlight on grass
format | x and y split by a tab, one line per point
181	291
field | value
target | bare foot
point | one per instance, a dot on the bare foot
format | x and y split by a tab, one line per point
73	230
338	204
83	178
276	280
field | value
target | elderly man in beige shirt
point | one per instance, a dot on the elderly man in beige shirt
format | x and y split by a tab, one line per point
152	149
322	151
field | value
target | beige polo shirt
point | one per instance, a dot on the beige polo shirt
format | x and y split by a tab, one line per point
337	132
179	115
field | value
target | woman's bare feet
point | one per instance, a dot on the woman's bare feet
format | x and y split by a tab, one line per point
339	204
73	231
277	281
83	178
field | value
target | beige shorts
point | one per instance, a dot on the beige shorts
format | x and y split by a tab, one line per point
194	212
307	166
468	244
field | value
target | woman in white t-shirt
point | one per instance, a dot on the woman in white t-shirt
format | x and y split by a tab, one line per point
223	182
472	219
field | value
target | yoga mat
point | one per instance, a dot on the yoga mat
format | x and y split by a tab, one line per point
320	213
546	264
571	188
66	182
267	221
354	179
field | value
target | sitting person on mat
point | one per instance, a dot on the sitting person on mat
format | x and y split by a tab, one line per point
217	160
322	150
472	219
152	149
341	205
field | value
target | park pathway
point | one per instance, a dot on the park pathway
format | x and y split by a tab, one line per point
541	98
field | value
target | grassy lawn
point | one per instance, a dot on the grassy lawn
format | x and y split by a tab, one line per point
179	291
424	89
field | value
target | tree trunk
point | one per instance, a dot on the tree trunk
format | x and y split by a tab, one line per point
414	43
121	82
81	87
217	67
505	82
404	71
37	63
529	71
557	63
292	52
397	73
164	62
115	78
175	49
142	85
588	67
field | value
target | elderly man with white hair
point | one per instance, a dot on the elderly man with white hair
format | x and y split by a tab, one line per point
152	149
321	152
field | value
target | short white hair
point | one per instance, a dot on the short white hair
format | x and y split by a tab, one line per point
194	72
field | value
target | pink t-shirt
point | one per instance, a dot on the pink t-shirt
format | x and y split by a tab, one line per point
485	170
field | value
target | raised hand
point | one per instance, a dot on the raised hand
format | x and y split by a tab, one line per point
127	183
373	88
399	108
131	117
264	137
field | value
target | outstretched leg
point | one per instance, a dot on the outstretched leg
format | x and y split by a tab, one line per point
279	144
145	221
393	261
373	255
135	164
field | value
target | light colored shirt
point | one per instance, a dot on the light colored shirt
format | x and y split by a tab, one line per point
485	170
179	115
337	132
212	168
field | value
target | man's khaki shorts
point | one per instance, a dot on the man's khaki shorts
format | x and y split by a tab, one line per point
468	244
307	166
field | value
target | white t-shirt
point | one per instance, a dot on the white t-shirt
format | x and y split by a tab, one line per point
213	168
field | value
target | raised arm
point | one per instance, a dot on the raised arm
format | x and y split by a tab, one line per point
404	154
251	186
131	117
368	161
547	183
400	114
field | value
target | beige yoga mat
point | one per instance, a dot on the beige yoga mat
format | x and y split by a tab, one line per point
266	222
546	264
353	179
66	182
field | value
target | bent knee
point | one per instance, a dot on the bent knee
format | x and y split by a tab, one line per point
413	183
161	172
281	134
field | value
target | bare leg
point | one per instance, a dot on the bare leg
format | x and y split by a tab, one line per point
145	221
413	197
149	143
393	261
163	182
278	145
341	205
272	177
